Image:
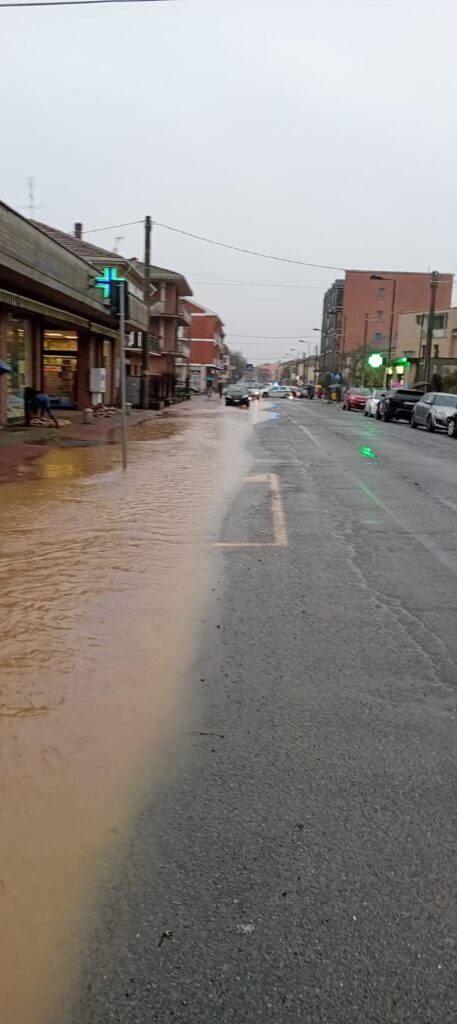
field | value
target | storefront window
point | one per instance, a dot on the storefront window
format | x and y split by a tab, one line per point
60	367
19	358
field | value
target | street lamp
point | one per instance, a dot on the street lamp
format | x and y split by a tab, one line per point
393	280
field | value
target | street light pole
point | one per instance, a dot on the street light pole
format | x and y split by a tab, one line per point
393	281
364	350
147	299
430	325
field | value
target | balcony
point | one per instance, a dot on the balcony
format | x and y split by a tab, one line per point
181	314
182	348
184	316
155	346
157	308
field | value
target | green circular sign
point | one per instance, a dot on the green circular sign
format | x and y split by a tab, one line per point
375	360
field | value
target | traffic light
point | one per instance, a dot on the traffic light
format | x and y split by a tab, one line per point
375	360
114	297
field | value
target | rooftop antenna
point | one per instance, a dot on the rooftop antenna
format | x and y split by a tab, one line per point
118	238
31	203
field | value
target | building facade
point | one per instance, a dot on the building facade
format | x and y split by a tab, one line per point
362	312
55	323
170	321
411	344
331	332
209	355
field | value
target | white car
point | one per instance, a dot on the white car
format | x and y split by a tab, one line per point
254	391
280	392
373	401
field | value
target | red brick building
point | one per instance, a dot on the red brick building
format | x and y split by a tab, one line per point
209	353
362	311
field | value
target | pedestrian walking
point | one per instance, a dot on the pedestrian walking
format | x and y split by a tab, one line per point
220	388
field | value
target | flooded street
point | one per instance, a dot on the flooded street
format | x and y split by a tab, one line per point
102	580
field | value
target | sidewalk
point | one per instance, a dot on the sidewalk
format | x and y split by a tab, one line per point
21	444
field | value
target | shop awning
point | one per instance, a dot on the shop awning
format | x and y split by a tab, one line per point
4	368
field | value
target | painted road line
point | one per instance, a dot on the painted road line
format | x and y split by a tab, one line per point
277	508
305	430
281	539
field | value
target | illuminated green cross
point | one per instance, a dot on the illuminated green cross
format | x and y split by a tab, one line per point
109	275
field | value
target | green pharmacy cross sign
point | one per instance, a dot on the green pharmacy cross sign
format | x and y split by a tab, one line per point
104	282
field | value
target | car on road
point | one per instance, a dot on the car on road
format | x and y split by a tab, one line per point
373	401
237	394
280	392
435	410
254	391
355	398
397	404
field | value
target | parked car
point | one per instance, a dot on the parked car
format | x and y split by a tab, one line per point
397	404
355	398
434	410
373	401
237	394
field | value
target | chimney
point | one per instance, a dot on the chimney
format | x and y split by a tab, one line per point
78	230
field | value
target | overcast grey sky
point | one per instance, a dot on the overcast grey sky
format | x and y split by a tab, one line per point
318	131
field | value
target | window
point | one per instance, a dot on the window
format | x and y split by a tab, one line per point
381	293
380	315
378	337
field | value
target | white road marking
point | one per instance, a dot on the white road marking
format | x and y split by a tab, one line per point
305	430
281	539
277	508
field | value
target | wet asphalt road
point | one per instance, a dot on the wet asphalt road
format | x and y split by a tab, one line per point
299	864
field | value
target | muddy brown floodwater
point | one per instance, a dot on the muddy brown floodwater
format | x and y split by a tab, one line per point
102	578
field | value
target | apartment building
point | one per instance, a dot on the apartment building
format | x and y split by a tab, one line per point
209	353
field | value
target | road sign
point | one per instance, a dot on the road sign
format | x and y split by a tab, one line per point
249	366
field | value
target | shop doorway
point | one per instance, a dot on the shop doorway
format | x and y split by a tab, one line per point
60	367
19	358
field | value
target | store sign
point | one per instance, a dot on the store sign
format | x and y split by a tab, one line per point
104	282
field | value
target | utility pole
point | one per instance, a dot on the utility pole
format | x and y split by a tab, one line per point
147	299
123	381
430	325
364	350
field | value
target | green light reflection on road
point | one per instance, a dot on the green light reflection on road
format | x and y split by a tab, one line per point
367	453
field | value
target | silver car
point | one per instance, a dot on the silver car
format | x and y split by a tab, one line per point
434	410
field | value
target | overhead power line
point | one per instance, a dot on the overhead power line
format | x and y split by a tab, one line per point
75	3
212	241
248	252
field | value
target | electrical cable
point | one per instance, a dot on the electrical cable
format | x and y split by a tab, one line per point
76	3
